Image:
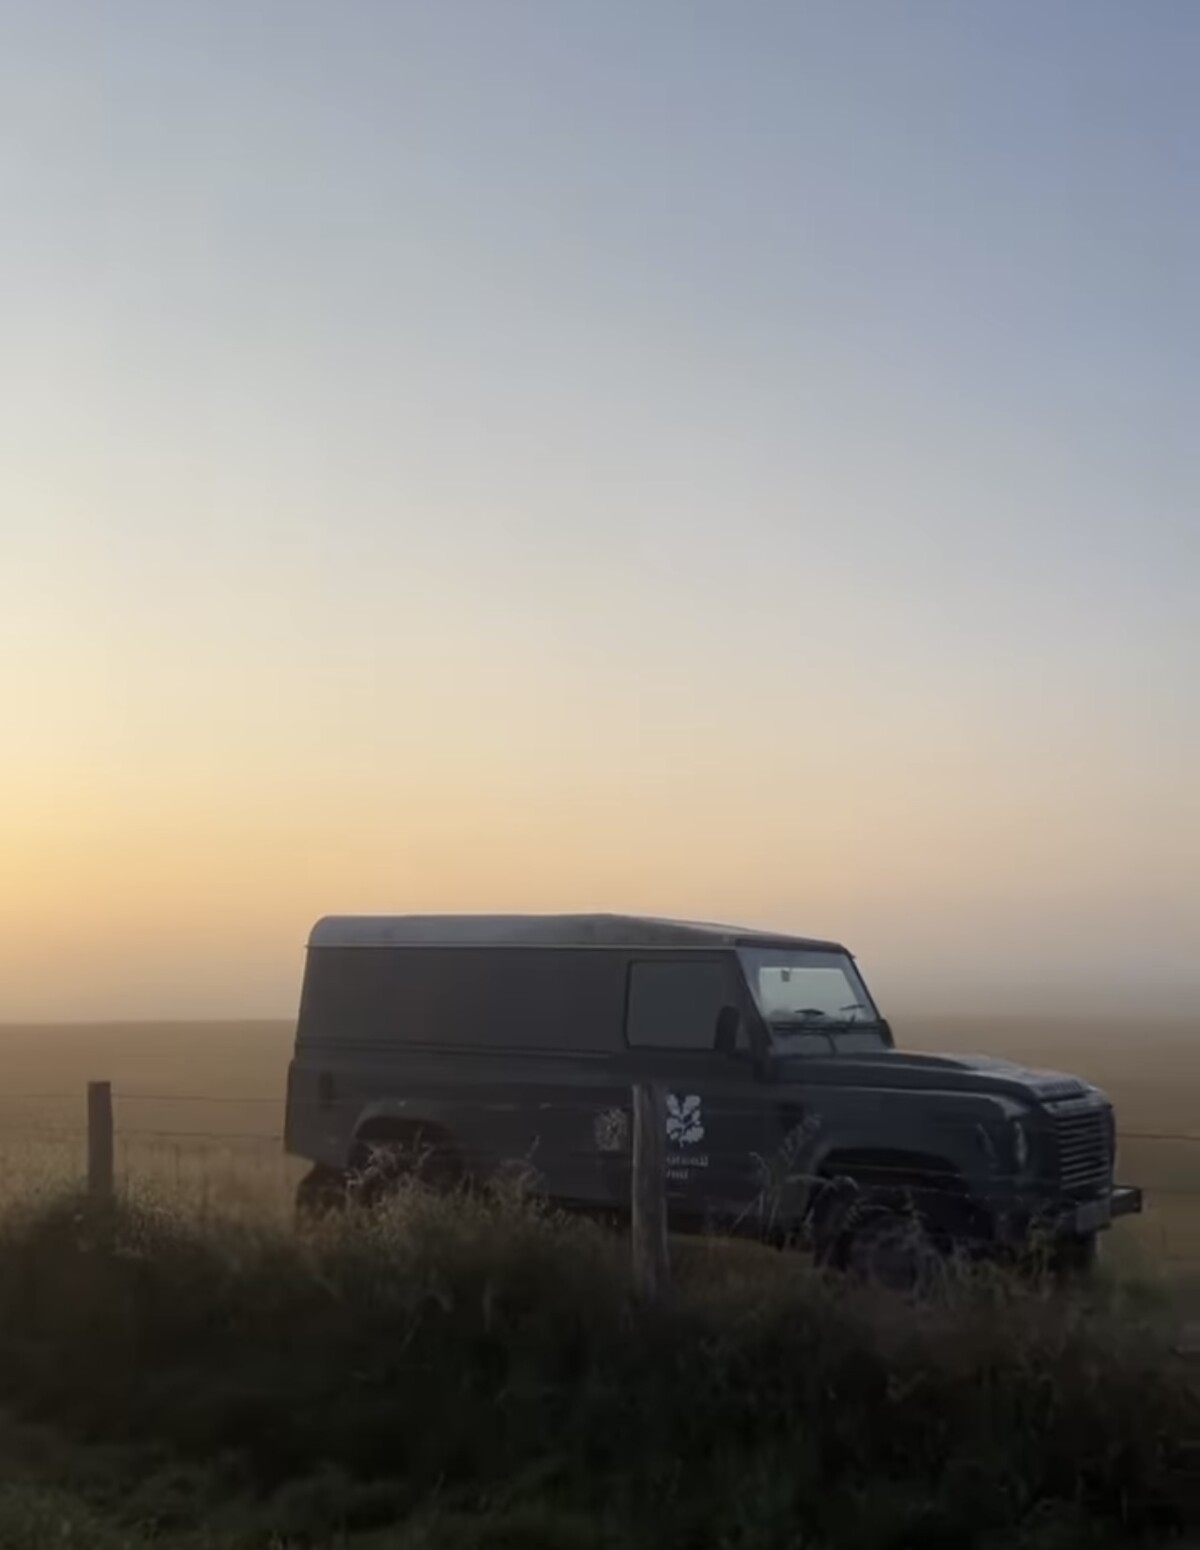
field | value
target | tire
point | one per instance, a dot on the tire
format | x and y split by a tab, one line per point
321	1192
883	1246
386	1164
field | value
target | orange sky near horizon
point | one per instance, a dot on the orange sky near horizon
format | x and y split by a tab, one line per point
446	466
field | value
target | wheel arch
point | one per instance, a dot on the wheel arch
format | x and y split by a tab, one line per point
927	1182
884	1166
425	1135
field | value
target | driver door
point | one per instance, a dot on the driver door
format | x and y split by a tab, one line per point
718	1121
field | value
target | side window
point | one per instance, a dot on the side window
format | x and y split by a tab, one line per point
674	1005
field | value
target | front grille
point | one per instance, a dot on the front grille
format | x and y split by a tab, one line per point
1083	1136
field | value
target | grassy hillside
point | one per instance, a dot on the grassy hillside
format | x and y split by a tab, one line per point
474	1373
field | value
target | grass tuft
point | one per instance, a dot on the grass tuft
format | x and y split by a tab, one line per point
476	1370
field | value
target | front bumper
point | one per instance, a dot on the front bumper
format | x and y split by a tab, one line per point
1094	1215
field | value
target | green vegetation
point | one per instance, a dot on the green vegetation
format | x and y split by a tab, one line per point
473	1373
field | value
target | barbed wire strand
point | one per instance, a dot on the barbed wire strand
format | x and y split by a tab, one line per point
13	1100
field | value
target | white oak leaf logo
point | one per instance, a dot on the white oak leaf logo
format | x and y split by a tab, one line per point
685	1122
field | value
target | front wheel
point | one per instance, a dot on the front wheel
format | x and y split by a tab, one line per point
889	1248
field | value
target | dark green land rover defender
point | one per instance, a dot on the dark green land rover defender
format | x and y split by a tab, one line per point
464	1044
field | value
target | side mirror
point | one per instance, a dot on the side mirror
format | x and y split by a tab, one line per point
729	1028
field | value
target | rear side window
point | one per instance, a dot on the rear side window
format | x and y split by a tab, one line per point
674	1005
465	998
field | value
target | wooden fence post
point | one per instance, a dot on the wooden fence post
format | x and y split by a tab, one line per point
100	1140
651	1256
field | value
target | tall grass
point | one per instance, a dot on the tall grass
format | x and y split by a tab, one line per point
477	1370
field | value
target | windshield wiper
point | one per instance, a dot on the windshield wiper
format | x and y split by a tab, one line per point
804	1014
819	1021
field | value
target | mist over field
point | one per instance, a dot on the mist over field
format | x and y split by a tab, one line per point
203	1102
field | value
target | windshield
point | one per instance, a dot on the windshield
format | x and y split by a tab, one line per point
798	989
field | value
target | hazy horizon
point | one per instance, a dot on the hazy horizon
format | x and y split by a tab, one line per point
724	462
1063	1017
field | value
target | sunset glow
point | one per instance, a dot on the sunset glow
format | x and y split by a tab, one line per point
447	465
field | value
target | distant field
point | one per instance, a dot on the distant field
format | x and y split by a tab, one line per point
200	1105
1151	1071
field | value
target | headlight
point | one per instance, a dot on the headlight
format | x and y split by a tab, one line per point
1020	1144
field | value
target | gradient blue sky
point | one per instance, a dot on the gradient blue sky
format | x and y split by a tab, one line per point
732	459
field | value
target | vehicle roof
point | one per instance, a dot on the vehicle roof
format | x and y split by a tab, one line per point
544	931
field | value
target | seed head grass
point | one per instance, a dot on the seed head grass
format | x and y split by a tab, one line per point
444	1367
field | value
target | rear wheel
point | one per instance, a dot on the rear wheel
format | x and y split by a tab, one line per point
385	1163
321	1191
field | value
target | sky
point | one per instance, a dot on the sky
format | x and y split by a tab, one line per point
721	460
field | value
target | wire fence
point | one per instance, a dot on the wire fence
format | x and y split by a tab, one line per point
228	1149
